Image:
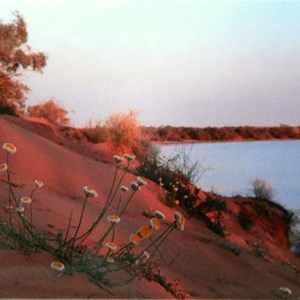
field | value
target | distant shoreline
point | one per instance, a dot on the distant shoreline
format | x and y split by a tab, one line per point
170	134
220	141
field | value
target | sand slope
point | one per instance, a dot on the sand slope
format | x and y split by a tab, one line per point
195	262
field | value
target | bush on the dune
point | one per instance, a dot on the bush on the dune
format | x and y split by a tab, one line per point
245	220
7	110
50	110
96	132
124	129
262	190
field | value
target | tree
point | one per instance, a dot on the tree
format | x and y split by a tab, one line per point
15	57
51	111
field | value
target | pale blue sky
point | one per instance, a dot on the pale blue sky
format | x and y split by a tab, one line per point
192	63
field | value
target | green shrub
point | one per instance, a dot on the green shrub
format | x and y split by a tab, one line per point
213	205
217	228
262	190
235	249
7	110
294	233
258	250
169	175
244	219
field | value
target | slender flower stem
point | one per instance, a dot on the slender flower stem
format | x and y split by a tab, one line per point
77	229
107	254
162	240
119	203
113	234
69	226
19	222
117	186
127	203
100	242
109	201
9	191
31	197
11	194
125	248
112	185
162	236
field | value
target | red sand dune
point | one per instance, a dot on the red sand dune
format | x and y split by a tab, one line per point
196	263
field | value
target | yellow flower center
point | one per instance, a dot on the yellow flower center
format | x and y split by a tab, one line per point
58	266
10	148
113	219
26	200
3	167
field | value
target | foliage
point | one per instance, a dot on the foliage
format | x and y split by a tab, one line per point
235	249
217	228
213	205
169	133
124	129
262	190
15	57
130	260
7	110
50	110
258	250
294	233
245	220
174	175
95	132
211	212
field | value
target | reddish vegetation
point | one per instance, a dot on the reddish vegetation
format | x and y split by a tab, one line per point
241	133
197	263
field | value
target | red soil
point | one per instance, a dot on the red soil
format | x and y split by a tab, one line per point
195	262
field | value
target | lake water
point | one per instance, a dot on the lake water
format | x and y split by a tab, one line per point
233	165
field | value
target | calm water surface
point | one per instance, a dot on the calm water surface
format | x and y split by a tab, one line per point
233	165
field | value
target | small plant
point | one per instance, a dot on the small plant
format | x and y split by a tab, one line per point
7	110
174	175
294	233
245	220
258	250
235	249
96	132
124	129
262	190
211	212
